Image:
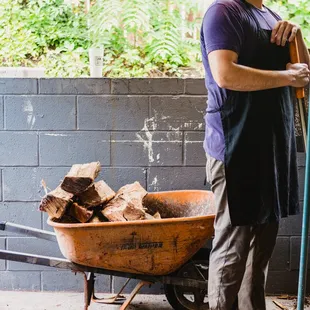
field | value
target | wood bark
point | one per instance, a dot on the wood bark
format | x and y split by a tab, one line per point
80	177
80	213
129	200
97	194
55	203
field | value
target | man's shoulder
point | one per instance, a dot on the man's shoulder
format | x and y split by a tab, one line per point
235	6
231	9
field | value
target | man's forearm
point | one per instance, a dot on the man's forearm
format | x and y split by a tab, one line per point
241	78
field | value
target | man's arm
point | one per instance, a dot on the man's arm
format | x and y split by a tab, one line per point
286	31
229	74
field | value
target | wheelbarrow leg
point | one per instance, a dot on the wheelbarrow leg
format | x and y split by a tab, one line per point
114	299
133	294
89	284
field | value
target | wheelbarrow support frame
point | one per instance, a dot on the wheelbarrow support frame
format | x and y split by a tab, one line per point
88	272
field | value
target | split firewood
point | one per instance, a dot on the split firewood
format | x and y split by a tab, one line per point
96	194
131	213
130	196
279	305
67	219
80	213
95	219
55	203
80	177
149	216
157	216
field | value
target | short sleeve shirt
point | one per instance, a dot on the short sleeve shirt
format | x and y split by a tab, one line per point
227	25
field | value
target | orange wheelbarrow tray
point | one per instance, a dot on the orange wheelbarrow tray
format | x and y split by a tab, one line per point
150	250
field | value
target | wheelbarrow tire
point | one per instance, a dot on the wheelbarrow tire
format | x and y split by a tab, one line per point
172	292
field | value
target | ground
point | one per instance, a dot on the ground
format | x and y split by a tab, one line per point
74	301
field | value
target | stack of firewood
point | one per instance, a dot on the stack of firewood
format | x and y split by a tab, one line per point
79	199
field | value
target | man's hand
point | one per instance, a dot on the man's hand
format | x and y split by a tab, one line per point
284	31
299	73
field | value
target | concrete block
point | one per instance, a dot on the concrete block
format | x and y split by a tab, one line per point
67	281
295	253
301	159
118	177
74	86
146	148
1	185
301	182
148	86
68	148
194	153
195	87
20	281
112	112
40	112
175	178
177	113
284	282
154	289
23	213
291	226
24	184
1	113
33	246
2	247
281	256
18	149
21	86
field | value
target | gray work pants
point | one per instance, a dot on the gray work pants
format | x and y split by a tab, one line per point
240	254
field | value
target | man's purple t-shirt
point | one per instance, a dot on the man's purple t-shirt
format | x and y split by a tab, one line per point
225	27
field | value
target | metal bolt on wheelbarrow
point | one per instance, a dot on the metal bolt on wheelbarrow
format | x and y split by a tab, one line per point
169	251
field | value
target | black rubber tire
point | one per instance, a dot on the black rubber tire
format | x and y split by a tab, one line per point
169	289
172	298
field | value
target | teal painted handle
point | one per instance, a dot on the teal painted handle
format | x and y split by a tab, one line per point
305	229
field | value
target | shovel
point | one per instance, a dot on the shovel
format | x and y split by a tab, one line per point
300	94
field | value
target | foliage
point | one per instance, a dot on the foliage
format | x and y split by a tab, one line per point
297	11
152	36
43	32
141	37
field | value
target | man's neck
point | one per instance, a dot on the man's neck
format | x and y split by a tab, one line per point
257	3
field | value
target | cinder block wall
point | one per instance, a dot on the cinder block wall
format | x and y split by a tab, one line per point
146	130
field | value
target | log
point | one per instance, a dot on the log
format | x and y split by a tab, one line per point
129	198
80	177
131	213
55	203
80	213
95	219
96	194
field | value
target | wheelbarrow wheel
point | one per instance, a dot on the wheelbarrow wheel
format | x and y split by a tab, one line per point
189	298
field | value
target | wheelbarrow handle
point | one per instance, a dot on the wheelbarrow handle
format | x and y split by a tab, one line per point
295	58
28	231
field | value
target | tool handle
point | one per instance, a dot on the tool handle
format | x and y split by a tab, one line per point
294	55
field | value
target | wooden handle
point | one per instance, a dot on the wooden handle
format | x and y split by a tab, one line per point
294	55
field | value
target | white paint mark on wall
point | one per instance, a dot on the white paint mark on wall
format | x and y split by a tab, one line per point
28	109
56	134
154	184
147	141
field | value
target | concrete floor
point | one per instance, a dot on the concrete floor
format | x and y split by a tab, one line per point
74	301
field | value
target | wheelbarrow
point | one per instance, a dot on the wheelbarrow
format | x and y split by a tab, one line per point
170	251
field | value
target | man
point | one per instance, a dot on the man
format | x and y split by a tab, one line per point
249	142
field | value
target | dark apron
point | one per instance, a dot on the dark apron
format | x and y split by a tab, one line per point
260	158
